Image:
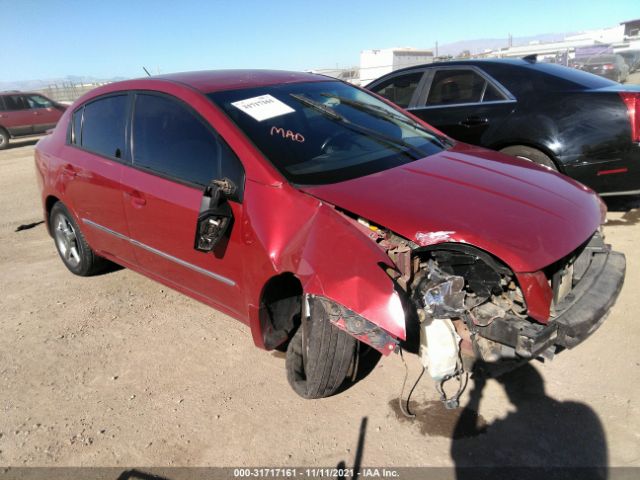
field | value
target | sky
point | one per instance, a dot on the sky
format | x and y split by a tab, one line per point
44	39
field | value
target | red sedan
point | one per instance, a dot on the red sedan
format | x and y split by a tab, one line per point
326	218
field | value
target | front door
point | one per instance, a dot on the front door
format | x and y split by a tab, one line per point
45	115
175	155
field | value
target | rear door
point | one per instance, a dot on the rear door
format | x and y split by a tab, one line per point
175	155
90	176
462	101
17	117
45	115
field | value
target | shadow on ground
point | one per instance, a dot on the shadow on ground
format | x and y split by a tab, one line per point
622	203
539	437
22	143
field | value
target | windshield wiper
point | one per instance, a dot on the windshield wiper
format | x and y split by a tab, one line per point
384	114
331	113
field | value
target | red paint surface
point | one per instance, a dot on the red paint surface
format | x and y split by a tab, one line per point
522	214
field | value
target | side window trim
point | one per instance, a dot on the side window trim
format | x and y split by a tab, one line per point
219	138
421	104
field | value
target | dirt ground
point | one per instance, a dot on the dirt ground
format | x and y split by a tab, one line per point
117	370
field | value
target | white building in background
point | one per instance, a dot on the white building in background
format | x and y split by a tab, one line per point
622	36
375	63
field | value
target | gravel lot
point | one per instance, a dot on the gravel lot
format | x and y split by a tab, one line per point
117	370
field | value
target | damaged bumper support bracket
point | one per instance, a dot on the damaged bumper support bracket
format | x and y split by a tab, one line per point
580	313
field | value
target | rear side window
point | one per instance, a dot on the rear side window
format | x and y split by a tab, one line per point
399	89
103	126
15	102
170	139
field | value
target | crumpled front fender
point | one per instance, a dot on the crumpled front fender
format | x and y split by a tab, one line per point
338	262
330	256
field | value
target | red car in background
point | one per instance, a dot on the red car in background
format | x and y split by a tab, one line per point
326	218
23	114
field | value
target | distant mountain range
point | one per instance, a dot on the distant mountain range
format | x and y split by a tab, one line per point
455	48
60	82
483	44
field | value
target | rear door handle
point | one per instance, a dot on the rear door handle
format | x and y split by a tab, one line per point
136	198
37	113
70	170
474	121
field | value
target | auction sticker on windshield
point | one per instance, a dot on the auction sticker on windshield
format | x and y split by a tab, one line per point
263	107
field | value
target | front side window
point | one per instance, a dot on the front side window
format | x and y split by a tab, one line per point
328	131
399	89
170	139
103	126
38	101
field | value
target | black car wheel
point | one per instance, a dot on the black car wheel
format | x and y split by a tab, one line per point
75	252
319	356
531	154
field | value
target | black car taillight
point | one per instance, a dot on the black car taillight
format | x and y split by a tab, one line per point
632	101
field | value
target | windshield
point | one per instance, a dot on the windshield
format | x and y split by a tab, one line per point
326	132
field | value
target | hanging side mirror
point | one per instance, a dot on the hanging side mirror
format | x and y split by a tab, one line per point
215	216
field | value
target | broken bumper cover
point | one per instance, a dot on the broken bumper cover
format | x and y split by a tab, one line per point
579	314
586	307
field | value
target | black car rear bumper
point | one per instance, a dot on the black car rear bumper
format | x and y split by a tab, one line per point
599	275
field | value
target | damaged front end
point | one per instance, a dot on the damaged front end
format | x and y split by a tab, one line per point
469	307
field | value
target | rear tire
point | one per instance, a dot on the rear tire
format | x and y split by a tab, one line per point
75	252
4	139
531	154
330	352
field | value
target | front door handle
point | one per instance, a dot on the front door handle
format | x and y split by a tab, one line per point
474	121
37	113
136	198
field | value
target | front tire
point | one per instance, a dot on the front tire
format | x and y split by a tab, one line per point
75	252
329	354
530	154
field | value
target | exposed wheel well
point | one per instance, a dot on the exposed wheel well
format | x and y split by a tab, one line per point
280	308
48	205
540	148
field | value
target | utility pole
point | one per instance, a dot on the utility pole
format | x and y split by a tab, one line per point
436	49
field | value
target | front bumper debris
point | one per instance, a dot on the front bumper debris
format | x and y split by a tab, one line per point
597	283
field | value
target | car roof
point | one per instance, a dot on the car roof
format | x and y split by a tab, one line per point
517	62
208	81
18	92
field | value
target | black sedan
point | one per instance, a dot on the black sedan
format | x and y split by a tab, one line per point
583	125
